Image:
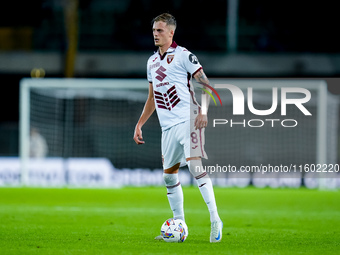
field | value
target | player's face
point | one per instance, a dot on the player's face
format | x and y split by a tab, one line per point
162	34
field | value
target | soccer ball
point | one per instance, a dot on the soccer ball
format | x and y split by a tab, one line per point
174	231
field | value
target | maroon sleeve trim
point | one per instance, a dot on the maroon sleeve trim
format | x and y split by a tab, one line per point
197	71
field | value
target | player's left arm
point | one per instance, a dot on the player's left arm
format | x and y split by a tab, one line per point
201	120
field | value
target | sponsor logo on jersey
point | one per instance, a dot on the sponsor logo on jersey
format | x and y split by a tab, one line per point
162	84
161	75
157	64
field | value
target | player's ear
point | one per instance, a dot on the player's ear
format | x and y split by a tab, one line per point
172	30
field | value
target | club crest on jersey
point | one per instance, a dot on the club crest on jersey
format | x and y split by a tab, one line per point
170	58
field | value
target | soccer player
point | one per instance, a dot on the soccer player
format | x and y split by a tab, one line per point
169	72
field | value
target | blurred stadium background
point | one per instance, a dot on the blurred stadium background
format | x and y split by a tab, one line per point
113	39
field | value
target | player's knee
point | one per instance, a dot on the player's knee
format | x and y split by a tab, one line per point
170	179
195	167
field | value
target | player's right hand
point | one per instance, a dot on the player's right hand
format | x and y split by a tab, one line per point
138	136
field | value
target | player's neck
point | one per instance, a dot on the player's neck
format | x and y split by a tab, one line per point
164	48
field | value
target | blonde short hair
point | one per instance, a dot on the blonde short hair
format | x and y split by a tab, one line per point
167	18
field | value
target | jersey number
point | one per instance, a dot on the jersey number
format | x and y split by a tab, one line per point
194	138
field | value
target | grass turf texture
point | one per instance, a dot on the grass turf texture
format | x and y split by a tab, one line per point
125	221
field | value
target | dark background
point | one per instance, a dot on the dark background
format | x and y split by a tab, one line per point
272	31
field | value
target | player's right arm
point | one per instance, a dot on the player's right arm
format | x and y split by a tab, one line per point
149	108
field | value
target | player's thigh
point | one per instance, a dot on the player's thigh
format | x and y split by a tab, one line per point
172	149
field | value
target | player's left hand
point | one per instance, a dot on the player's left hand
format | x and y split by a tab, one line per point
201	121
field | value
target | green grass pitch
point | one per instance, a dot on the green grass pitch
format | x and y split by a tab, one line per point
125	221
